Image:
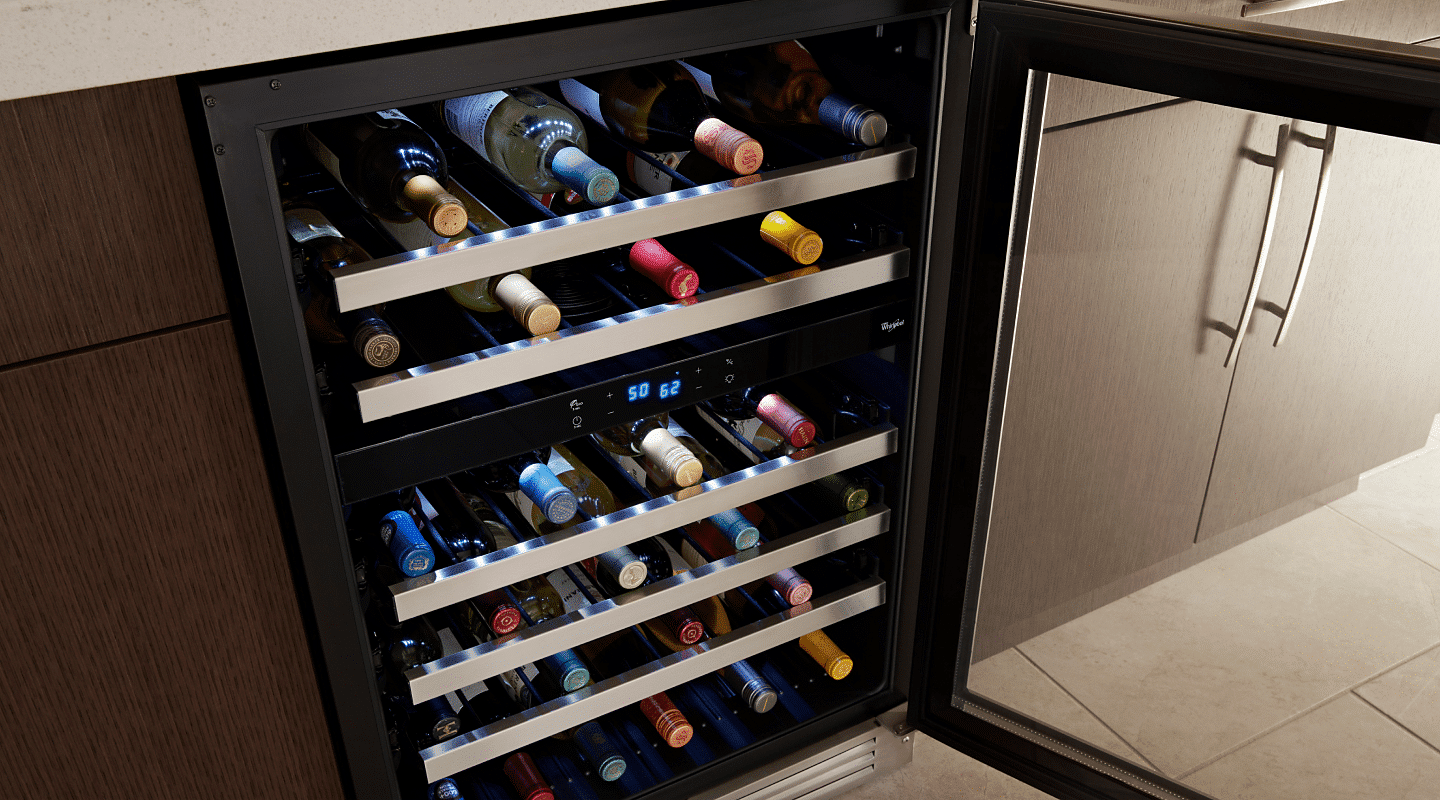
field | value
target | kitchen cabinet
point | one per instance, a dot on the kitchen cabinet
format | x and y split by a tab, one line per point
1356	381
1140	234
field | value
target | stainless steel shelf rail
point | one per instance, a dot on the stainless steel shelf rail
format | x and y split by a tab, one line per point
405	274
465	375
479	746
487	660
545	554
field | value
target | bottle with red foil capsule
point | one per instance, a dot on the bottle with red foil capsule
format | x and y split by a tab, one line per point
706	543
744	680
661	108
525	778
460	534
650	258
619	653
747	409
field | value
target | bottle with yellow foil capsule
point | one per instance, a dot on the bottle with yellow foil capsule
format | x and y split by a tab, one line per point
782	232
651	439
817	644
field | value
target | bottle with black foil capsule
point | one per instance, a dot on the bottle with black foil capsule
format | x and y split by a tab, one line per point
650	438
531	139
780	84
660	108
326	250
528	476
744	680
390	166
620	564
430	722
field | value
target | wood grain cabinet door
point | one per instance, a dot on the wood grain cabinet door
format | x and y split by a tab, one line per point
1143	236
1356	381
153	643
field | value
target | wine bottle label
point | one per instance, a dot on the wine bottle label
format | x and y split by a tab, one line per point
324	155
707	85
394	114
569	592
467	116
691	556
305	224
582	98
651	178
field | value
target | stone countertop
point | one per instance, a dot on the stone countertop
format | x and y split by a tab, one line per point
49	46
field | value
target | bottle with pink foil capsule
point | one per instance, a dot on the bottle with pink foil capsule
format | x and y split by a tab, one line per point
713	545
746	411
650	258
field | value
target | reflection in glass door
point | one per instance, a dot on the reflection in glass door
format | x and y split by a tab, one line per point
1214	541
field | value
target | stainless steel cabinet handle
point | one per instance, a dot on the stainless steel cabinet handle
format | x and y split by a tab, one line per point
1327	145
1272	209
1261	7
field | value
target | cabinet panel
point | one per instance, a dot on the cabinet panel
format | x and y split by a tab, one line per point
1142	239
158	646
105	233
1356	381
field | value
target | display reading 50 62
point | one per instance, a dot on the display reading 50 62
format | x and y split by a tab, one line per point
665	390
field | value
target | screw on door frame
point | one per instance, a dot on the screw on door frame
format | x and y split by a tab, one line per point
210	101
219	149
275	84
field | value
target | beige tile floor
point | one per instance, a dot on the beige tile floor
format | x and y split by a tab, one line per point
1303	664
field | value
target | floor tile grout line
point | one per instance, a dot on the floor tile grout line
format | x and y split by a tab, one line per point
1087	709
1402	726
1378	535
1305	711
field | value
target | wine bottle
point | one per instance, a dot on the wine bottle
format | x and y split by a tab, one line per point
650	437
791	238
617	654
650	258
464	535
444	789
491	706
714	545
780	84
533	140
326	250
743	679
541	603
430	722
390	166
526	778
817	644
528	476
691	165
412	554
660	108
595	498
398	647
770	408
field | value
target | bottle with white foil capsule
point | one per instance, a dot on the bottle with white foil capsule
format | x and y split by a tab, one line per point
650	437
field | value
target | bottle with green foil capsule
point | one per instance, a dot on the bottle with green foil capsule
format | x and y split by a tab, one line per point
597	501
327	250
531	139
780	84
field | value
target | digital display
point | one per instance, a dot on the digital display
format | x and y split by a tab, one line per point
645	390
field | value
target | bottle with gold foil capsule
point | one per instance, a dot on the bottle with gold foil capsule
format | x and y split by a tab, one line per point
619	653
327	250
782	232
650	438
817	644
650	258
780	84
390	166
660	108
706	543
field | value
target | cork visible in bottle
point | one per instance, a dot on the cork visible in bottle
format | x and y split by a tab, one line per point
673	459
530	307
827	654
795	240
427	199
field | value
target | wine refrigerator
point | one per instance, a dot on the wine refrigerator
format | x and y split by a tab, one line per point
707	517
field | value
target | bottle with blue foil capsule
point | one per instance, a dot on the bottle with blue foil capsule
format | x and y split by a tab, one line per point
412	554
533	140
445	790
601	753
736	529
597	500
530	483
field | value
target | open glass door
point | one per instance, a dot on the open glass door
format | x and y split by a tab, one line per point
1185	524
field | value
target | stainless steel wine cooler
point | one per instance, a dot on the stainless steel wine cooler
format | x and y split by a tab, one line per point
898	343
